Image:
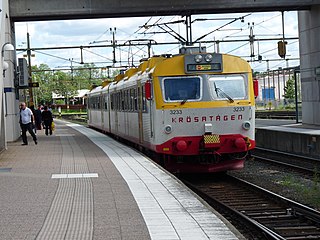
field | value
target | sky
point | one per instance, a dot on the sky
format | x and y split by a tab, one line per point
235	28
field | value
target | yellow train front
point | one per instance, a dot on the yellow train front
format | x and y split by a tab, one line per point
194	111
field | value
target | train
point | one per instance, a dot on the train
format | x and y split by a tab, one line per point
193	112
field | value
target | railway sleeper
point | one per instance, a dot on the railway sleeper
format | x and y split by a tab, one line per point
298	228
267	213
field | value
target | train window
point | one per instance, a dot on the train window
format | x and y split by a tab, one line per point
115	105
139	98
181	88
144	101
228	87
126	100
130	99
122	100
135	100
106	102
118	101
111	101
98	102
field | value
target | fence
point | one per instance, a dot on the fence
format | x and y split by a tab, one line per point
272	90
70	107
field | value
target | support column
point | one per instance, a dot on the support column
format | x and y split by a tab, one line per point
9	112
309	34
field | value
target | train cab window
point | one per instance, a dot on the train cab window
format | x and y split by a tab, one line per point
228	87
181	89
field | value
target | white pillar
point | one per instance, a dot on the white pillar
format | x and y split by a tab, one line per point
9	127
309	34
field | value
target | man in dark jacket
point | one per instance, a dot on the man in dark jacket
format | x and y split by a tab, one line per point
38	117
47	119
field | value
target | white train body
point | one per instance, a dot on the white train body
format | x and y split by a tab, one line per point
195	116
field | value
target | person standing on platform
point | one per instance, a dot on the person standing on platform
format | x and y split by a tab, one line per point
38	117
47	119
26	123
33	123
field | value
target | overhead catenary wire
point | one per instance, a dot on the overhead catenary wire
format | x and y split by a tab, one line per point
164	20
54	56
99	55
226	24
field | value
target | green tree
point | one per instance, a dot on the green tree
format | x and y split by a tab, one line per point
42	74
64	85
289	90
86	76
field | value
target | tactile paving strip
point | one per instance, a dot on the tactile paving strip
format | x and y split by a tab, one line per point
71	212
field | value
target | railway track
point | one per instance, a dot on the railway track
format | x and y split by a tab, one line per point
257	213
308	167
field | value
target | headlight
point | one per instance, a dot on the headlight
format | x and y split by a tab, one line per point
168	129
246	125
198	58
208	58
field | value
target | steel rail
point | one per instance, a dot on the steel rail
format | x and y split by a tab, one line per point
271	221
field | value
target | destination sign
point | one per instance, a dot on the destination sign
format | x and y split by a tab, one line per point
204	67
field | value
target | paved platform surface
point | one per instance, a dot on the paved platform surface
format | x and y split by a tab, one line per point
81	184
287	126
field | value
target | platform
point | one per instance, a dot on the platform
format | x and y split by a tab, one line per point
288	136
81	184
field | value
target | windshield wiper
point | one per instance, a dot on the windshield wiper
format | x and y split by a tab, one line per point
222	93
184	101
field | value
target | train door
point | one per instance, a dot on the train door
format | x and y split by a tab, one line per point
147	107
101	99
89	116
109	107
117	107
140	109
126	98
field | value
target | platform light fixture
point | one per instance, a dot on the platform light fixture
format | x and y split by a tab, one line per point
6	47
5	65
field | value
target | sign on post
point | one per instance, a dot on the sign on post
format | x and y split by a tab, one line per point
34	84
